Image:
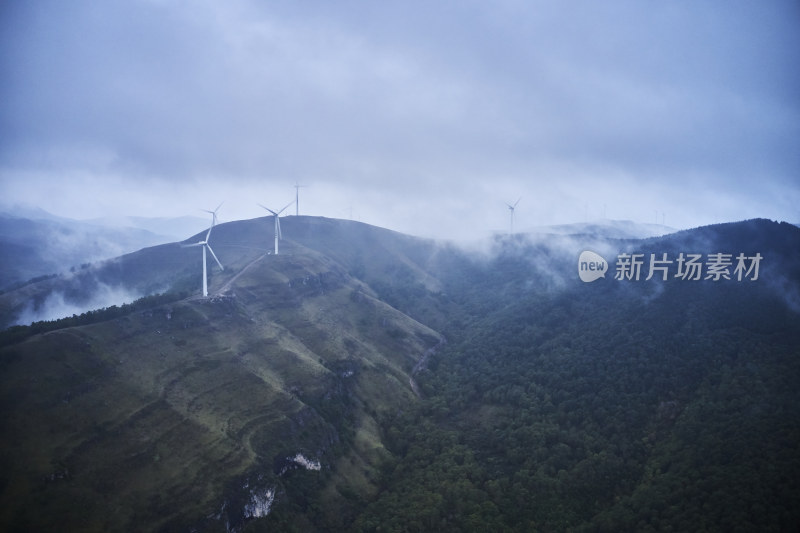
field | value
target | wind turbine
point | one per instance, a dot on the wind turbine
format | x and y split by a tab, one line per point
277	223
213	215
511	208
205	245
296	199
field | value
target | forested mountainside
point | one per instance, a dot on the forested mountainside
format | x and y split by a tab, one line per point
371	381
605	414
627	406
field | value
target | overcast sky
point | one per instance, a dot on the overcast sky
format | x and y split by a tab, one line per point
423	117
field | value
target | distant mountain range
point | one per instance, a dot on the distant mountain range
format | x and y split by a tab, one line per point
609	229
173	228
37	243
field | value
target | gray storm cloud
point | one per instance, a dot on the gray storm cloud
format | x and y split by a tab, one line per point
426	117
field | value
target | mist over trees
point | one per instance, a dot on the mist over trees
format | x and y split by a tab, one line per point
436	388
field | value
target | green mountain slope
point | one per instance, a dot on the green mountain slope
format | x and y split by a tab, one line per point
614	406
555	404
171	415
375	255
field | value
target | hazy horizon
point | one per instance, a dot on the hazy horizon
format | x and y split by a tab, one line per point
200	222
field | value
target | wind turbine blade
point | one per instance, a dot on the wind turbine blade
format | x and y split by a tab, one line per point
213	219
268	209
201	243
284	207
215	257
518	199
280	235
212	213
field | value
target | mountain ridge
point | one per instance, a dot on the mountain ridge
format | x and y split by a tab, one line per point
295	337
313	387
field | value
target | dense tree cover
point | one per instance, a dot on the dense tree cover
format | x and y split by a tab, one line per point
670	407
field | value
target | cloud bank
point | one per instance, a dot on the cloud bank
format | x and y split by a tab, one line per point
422	118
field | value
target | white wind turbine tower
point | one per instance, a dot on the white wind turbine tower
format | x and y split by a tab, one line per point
297	187
205	245
277	223
511	208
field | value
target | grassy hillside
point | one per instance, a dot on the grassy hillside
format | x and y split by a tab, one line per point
315	387
172	415
365	252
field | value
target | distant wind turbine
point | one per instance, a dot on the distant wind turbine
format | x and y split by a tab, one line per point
511	208
205	245
277	223
297	198
213	214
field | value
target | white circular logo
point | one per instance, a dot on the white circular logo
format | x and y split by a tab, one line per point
591	266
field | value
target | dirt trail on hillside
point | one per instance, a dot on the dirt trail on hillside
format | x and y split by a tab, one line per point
225	288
